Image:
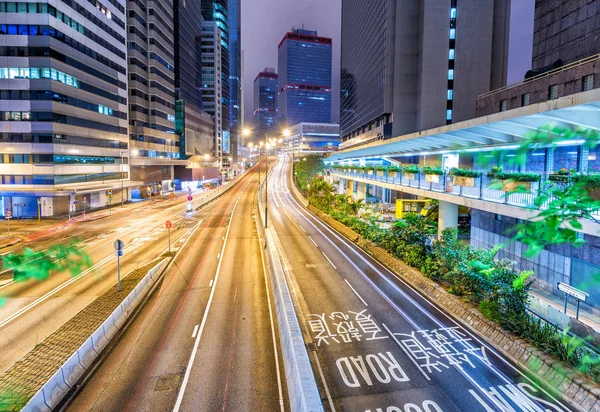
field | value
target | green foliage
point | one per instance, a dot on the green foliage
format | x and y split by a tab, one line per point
433	170
307	168
514	176
411	169
40	264
464	172
394	168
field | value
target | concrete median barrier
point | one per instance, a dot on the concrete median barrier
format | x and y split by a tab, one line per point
302	386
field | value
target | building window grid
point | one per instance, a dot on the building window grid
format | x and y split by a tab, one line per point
587	83
503	105
525	99
553	92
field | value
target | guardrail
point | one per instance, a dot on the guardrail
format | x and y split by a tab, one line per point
302	386
49	396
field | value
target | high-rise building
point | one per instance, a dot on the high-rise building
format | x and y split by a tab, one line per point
265	101
304	66
155	146
63	106
217	12
235	75
212	84
400	72
187	30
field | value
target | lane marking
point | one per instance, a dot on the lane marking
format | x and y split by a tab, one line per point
406	352
324	382
195	331
326	257
356	293
190	365
210	283
311	239
301	227
218	255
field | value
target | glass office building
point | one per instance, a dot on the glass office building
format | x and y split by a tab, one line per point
304	78
265	101
187	31
235	74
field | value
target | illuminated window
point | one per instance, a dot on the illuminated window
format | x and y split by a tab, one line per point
451	74
450	94
453	13
449	114
452	33
451	54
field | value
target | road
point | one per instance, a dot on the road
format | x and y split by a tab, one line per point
35	309
375	343
206	339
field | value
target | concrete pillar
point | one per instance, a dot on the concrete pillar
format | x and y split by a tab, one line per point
341	187
584	153
349	187
550	160
448	216
361	191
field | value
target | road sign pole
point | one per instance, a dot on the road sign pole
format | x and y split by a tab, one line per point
118	272
8	223
169	240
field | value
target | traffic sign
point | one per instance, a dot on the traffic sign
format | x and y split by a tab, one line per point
571	291
75	202
190	198
84	199
168	224
9	214
118	244
39	201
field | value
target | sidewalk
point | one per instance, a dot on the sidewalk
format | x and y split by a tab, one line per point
585	316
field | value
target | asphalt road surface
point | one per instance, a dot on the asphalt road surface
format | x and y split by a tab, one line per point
206	339
375	343
34	309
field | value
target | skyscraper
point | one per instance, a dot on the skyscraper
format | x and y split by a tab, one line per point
235	74
217	11
154	144
402	73
265	101
64	99
304	78
187	30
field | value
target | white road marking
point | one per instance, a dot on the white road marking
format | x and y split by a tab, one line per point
301	227
324	382
218	255
311	239
190	365
195	331
356	293
404	350
210	283
329	260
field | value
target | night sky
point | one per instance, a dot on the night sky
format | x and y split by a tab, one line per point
265	22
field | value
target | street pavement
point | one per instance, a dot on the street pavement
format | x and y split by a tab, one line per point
33	310
205	339
375	343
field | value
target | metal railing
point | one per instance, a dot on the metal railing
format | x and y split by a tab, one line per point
540	76
480	190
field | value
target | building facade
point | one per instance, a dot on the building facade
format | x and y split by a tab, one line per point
265	101
235	75
217	12
64	106
401	73
155	146
313	138
212	85
304	65
565	58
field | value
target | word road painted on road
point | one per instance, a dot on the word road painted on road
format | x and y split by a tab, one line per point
358	370
340	327
511	398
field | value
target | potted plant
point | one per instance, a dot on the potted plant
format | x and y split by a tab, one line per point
410	171
380	170
512	181
591	183
464	177
562	175
393	171
432	173
361	169
370	169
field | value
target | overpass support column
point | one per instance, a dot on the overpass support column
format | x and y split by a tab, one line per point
361	191
349	187
448	216
341	189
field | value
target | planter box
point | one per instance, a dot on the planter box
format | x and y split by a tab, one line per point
393	174
370	172
410	176
513	186
464	181
558	178
380	173
432	178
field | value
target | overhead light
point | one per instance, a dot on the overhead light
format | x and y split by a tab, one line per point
570	142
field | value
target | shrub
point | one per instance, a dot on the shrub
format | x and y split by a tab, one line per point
464	172
433	170
411	169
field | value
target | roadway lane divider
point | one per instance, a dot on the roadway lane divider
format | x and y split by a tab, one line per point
302	386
